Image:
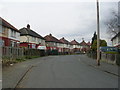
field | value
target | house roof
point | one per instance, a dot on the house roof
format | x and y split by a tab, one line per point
74	42
63	40
89	43
50	38
83	43
115	36
27	31
8	25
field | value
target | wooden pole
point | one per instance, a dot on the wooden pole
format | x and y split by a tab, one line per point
98	35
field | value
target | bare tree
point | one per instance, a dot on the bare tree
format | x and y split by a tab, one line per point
112	24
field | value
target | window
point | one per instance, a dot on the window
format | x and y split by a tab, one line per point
3	30
54	44
39	40
2	42
13	33
33	39
0	28
33	45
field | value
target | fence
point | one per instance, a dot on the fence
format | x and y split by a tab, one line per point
10	54
92	55
112	58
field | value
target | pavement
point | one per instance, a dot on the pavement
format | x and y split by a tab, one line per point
106	67
65	71
13	74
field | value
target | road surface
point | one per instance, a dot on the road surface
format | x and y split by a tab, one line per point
67	71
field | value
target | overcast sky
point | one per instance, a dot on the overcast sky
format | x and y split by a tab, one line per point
62	18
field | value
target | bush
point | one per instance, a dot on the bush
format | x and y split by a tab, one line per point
111	52
20	59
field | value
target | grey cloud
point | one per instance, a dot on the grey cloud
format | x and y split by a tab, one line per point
70	20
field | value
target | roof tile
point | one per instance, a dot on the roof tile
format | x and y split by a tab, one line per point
28	31
63	40
74	42
50	38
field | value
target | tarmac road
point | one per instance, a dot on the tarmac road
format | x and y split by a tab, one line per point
67	71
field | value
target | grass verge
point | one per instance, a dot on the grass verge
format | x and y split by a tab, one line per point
7	61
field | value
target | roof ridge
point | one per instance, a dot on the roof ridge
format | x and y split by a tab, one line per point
52	38
30	32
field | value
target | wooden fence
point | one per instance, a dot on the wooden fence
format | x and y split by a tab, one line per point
10	54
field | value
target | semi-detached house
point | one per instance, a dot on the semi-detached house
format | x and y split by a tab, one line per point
75	46
52	43
66	45
9	35
30	39
84	47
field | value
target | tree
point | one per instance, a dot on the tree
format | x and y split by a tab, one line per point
112	24
94	37
103	43
94	45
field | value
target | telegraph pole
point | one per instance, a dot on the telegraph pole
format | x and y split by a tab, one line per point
98	35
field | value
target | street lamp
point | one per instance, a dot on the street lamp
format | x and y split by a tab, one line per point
98	35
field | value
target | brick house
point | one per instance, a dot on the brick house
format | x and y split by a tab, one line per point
66	45
52	43
84	47
9	35
30	39
116	40
75	46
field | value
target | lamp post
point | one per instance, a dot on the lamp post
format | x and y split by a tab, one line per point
98	35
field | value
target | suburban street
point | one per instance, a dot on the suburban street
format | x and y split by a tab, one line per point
59	44
69	71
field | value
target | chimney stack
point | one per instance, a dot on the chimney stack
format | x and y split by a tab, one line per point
28	26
